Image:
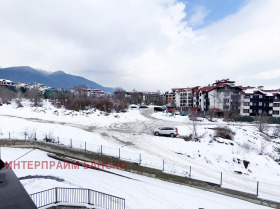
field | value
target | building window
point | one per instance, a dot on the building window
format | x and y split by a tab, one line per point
226	100
276	112
276	104
245	110
246	103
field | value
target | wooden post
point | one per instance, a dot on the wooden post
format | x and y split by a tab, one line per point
190	171
85	146
163	165
139	158
221	179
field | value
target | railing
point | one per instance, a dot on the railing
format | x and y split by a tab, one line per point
77	196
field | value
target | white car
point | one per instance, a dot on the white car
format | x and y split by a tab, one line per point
134	107
166	131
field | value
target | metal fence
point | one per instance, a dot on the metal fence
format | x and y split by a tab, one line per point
77	196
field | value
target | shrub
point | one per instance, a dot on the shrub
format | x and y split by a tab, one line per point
223	132
187	138
245	119
246	146
274	120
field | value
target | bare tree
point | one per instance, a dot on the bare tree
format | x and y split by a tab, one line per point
262	123
193	126
6	94
35	95
276	130
119	93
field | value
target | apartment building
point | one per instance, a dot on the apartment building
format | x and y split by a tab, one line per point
224	95
256	101
276	105
221	95
183	97
170	98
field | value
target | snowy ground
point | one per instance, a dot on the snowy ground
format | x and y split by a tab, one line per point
139	192
131	133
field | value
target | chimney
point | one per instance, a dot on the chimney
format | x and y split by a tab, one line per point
260	87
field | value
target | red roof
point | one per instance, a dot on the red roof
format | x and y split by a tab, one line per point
207	88
245	87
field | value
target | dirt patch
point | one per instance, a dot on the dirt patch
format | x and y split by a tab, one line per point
41	177
123	142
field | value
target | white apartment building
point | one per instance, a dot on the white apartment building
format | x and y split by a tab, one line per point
183	97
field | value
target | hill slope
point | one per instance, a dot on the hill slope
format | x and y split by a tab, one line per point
58	79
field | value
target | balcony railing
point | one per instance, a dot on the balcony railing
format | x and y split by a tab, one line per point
77	196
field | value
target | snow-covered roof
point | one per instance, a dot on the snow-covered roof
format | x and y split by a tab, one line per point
265	92
4	80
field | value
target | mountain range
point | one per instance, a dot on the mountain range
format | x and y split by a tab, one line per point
58	79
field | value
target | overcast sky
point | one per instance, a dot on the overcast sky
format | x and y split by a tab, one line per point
145	44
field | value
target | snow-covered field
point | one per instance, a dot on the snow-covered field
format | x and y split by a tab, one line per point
139	192
131	133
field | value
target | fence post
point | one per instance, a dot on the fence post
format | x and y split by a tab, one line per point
221	179
139	158
101	149
71	143
163	165
9	135
257	188
56	195
58	140
25	136
119	153
190	171
85	146
35	136
89	197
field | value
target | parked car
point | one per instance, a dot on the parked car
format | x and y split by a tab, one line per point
133	107
183	113
166	131
143	107
159	109
177	113
170	111
202	115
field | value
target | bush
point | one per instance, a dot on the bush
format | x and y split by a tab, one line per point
223	132
274	120
187	138
245	119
